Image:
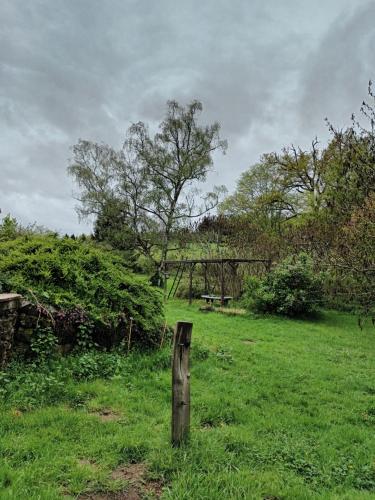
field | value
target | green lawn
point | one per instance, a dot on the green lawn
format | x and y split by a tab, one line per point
280	409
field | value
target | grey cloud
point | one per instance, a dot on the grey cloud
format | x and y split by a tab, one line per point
88	68
336	76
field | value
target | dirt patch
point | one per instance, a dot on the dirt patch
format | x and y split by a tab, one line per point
106	414
134	473
130	494
137	488
249	341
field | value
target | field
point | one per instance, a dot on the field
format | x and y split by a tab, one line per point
281	409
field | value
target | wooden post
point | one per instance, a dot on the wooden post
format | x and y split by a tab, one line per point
165	284
130	333
190	284
205	279
222	283
181	383
235	280
163	335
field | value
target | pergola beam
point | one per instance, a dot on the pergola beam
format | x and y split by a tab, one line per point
214	261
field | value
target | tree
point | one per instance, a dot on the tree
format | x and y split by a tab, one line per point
259	210
260	193
351	177
301	172
109	228
353	258
151	180
9	228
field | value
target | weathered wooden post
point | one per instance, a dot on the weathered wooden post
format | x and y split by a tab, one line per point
268	265
205	279
222	289
165	282
181	383
9	305
130	332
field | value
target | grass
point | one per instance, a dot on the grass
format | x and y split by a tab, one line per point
280	409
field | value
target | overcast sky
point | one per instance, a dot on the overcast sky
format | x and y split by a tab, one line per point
269	71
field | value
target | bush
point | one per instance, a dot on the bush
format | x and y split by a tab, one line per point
82	284
291	289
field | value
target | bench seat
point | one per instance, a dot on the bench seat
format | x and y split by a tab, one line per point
212	298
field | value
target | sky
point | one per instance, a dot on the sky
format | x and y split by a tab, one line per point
268	71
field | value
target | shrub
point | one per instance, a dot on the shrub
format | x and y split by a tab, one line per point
83	284
291	289
43	343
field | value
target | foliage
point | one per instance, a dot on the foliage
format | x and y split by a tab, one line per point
86	284
351	177
10	228
353	257
261	192
291	289
43	343
301	173
150	181
93	364
109	228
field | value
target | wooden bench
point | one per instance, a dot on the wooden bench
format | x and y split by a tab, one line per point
210	299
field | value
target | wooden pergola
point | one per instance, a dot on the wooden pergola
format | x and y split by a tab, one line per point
190	264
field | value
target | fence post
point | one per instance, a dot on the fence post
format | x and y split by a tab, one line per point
181	383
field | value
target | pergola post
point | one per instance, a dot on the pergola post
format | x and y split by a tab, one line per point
191	283
205	279
222	287
165	285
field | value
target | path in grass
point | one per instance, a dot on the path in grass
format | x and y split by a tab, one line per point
280	409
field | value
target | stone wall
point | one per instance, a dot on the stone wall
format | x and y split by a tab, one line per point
9	307
19	319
